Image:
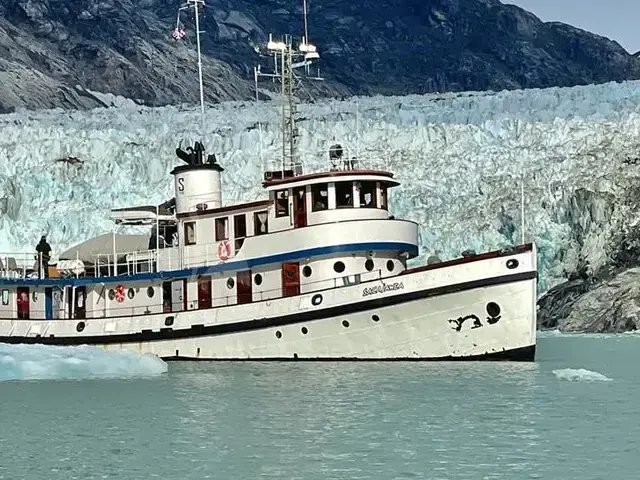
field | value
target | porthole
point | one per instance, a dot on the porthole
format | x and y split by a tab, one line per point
150	292
278	334
345	324
230	283
258	279
112	294
390	265
304	330
316	300
306	271
512	263
375	318
80	326
338	267
368	265
131	293
493	309
168	321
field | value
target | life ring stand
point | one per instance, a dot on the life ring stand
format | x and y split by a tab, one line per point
224	250
119	291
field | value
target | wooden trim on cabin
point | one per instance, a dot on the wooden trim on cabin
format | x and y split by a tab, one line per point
507	252
335	173
227	209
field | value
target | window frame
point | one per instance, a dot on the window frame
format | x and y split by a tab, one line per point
185	229
337	186
279	200
316	196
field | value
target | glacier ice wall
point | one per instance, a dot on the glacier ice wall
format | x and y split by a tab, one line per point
460	158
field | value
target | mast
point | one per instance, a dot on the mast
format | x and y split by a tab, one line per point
286	60
197	5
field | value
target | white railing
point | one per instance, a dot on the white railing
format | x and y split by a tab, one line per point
322	161
19	264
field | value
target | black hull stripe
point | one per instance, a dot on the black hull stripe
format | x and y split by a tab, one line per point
263	323
522	354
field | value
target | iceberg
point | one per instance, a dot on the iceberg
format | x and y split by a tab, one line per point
461	158
46	362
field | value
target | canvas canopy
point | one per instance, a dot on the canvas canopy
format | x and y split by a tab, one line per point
102	245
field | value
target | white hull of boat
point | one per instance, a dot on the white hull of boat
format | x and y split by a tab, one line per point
483	309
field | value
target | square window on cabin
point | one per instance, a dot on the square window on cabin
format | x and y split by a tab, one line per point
260	223
282	203
222	230
383	197
319	197
190	233
368	194
344	194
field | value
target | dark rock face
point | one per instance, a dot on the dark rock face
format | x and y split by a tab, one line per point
48	47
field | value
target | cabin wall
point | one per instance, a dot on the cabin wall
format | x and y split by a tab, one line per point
140	298
36	303
8	302
327	272
224	289
267	282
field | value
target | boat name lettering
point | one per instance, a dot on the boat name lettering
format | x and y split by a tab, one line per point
385	287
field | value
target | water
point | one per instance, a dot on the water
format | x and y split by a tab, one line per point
548	420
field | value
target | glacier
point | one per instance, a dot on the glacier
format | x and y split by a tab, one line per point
461	159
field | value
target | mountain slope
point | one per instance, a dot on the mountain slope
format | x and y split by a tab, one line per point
49	47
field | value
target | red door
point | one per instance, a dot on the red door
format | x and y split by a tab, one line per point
299	208
22	300
204	292
290	279
243	289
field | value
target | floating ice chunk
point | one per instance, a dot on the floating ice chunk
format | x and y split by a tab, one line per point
580	375
40	362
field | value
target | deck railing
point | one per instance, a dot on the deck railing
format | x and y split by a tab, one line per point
334	160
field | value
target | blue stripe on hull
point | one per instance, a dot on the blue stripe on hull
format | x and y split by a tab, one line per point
222	267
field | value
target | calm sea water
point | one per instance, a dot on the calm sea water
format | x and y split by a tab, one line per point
572	415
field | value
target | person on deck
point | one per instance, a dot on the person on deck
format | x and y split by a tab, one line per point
44	255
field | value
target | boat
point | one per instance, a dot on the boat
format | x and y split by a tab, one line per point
317	270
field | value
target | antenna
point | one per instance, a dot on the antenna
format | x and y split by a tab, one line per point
522	207
286	59
177	34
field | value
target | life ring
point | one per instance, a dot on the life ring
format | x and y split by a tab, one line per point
224	250
119	294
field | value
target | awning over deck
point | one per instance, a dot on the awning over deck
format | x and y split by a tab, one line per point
102	245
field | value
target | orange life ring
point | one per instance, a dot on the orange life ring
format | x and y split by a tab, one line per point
224	250
119	294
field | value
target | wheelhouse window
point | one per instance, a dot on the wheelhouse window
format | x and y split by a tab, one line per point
260	223
383	197
190	233
282	203
344	194
222	229
320	197
368	194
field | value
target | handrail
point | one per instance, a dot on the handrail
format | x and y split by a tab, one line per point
314	161
123	311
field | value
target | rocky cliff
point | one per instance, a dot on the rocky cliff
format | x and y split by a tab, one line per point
53	53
